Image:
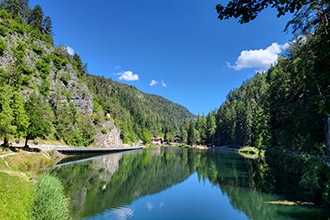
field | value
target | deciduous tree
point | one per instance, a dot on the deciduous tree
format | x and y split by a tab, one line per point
41	117
6	114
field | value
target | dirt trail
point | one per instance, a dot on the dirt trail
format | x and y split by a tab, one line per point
16	173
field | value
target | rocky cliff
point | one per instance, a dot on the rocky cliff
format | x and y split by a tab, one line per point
36	66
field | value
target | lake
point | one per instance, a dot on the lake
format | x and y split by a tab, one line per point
175	183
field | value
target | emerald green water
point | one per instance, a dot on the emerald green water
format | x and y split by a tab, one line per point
175	183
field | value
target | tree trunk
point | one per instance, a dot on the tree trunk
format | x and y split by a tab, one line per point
26	141
328	135
5	142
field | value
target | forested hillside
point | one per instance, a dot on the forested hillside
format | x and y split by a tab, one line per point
285	110
287	106
47	93
137	114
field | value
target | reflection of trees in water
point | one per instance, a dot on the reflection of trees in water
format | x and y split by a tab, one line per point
111	181
249	184
118	179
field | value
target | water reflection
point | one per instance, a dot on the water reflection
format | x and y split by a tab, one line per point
119	186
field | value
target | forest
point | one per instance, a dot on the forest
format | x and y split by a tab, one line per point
287	106
284	111
47	93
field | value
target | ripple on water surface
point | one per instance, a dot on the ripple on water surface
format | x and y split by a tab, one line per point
120	213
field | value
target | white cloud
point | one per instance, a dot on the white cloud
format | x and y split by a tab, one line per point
70	50
261	59
163	84
150	206
153	82
128	76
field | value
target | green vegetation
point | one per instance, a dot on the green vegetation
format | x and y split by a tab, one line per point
283	111
50	80
17	170
40	118
251	152
94	186
135	112
16	197
50	202
65	77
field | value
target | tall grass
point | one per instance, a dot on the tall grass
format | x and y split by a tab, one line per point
49	201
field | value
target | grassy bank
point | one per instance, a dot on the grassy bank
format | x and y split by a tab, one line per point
19	172
16	193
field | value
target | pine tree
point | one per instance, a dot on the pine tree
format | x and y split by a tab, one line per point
18	8
35	18
21	119
211	127
47	25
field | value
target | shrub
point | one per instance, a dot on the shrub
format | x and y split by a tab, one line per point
26	70
26	79
3	46
19	50
104	130
3	30
65	78
4	14
46	58
37	49
58	62
43	68
67	94
50	201
44	88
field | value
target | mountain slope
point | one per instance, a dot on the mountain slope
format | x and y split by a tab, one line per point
139	111
82	109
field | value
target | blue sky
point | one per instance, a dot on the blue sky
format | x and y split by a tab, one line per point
177	49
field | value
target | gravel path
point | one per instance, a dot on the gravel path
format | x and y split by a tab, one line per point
42	147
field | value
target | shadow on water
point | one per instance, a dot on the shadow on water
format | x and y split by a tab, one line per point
111	182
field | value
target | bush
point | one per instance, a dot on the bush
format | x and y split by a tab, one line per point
44	88
50	201
3	30
3	47
19	50
65	78
43	68
37	49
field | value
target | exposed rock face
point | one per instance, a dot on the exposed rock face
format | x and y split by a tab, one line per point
80	95
65	86
109	136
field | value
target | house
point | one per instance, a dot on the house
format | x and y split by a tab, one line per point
157	140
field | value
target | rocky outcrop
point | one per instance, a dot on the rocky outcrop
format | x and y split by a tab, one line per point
51	69
79	93
109	136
